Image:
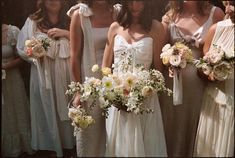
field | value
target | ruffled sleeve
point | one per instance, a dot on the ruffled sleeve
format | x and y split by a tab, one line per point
83	10
25	34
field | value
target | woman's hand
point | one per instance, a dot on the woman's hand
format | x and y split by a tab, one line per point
76	101
57	33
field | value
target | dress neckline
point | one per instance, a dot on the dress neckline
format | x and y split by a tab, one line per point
134	42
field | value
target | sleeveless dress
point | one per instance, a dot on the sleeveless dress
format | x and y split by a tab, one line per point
128	134
180	122
91	142
49	77
215	135
15	129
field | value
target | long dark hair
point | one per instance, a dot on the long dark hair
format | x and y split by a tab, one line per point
125	18
42	20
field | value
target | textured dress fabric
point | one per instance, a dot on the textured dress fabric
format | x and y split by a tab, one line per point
128	134
215	134
180	122
15	127
49	77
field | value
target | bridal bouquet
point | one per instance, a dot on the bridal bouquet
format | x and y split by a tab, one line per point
176	57
88	92
80	119
37	47
218	64
128	91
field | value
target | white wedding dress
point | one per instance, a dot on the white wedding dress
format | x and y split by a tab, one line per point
130	134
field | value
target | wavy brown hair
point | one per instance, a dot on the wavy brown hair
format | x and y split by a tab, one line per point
176	7
125	18
42	20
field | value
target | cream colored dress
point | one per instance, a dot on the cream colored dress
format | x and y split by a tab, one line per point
49	78
180	121
91	142
15	127
215	134
128	134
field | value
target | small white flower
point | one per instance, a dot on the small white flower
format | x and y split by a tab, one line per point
95	68
166	47
206	69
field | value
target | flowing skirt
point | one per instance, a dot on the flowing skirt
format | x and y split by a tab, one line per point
215	135
136	135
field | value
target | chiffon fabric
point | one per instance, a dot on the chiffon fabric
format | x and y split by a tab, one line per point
15	127
181	121
91	142
49	77
128	134
215	134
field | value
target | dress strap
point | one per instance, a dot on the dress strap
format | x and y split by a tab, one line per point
212	13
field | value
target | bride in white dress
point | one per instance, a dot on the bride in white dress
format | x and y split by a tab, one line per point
142	37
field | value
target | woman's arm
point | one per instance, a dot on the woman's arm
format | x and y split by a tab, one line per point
209	38
76	46
108	52
12	63
158	34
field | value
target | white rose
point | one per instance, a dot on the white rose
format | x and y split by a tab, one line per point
95	68
175	60
27	42
222	71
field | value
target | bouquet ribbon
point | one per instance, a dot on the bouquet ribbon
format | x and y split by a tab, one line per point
177	88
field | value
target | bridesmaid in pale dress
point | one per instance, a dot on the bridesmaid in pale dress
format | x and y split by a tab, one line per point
215	134
186	21
50	125
15	116
88	32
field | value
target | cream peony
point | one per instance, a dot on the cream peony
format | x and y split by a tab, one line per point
106	71
95	68
147	91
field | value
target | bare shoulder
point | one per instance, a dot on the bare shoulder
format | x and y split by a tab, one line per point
212	29
218	15
114	26
113	29
157	27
